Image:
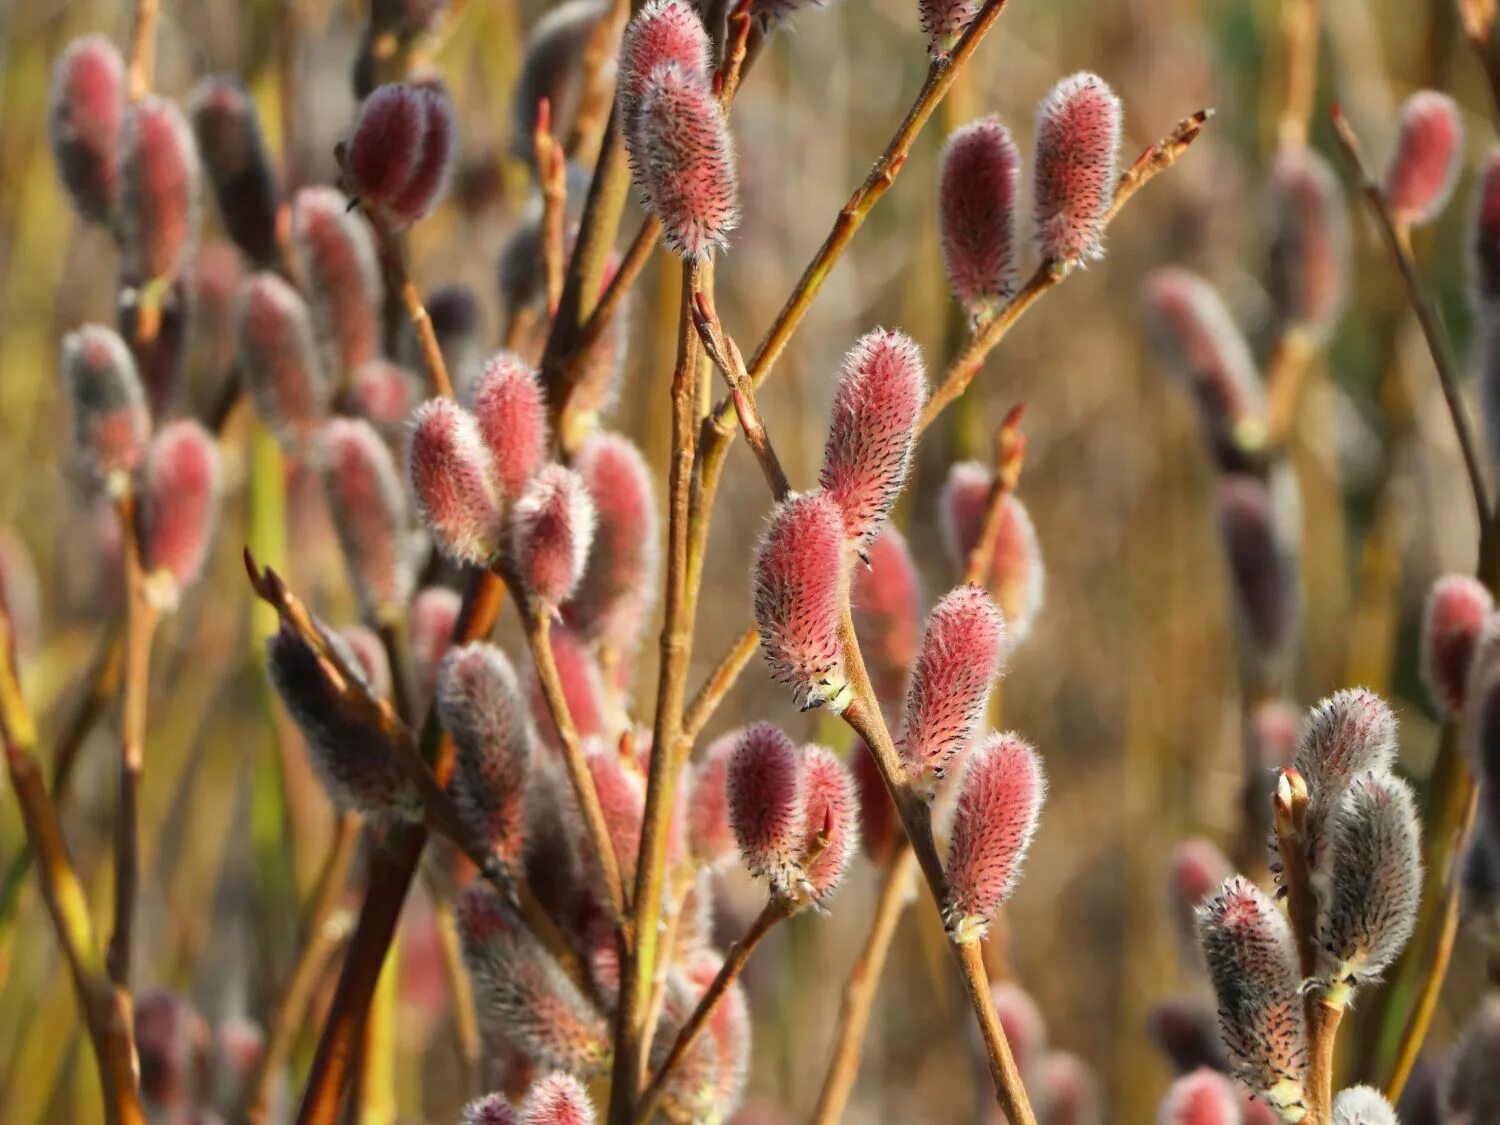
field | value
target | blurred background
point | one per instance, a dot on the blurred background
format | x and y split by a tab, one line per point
1131	684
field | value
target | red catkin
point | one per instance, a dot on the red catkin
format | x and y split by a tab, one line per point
452	478
550	530
179	502
507	403
85	109
1425	163
368	505
159	188
279	361
664	31
887	599
768	806
1077	144
336	255
831	821
977	214
400	152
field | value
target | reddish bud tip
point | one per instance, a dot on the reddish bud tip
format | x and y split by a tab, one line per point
873	429
831	821
1364	1105
336	254
507	403
1077	142
368	505
400	153
768	805
179	501
665	31
111	421
1018	577
683	160
998	807
1309	268
1456	611
977	211
84	114
962	652
492	1109
801	587
159	185
279	361
239	170
1203	1097
710	835
887	599
1261	566
551	527
1429	150
452	478
558	1099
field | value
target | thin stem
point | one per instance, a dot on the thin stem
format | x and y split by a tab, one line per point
1007	1077
141	61
725	355
552	179
1010	452
1322	1033
717	686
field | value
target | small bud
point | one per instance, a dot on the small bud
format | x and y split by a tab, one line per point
622	798
665	31
179	501
336	255
944	23
768	806
1198	341
368	505
962	652
1260	563
886	600
452	478
558	1099
1456	611
977	212
370	658
522	993
1363	1105
239	170
1375	876
384	394
831	819
1185	1032
1350	733
879	827
279	361
159	177
550	528
1077	142
1018	578
801	587
401	150
492	1109
998	806
873	430
84	114
710	836
1484	233
552	67
434	615
614	600
1309	268
1471	1086
1425	164
683	159
111	422
1203	1097
507	402
479	703
1252	963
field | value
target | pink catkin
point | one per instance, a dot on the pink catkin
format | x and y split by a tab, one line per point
452	478
665	31
159	188
111	421
279	361
684	161
731	1030
873	429
1203	1097
768	805
1259	562
336	254
1197	869
1425	164
400	152
886	599
1347	734
945	21
180	501
1017	579
1309	270
550	530
977	213
558	1099
622	798
1456	611
384	394
84	115
370	658
961	656
507	403
368	505
879	827
434	614
801	586
1077	145
998	807
239	169
492	1109
832	815
710	835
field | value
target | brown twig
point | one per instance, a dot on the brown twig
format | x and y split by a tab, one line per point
1299	38
1007	1077
141	61
1010	454
725	354
551	173
1322	1036
717	686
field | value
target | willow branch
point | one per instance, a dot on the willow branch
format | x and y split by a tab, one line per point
140	63
1010	453
551	175
717	686
725	355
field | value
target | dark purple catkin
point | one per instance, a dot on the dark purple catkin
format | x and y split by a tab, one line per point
239	170
1260	566
664	31
1350	733
1073	184
173	1039
368	505
179	497
1183	1029
111	422
1252	962
1374	879
1308	278
1471	1084
977	214
768	805
336	255
1457	608
400	152
279	361
159	188
85	109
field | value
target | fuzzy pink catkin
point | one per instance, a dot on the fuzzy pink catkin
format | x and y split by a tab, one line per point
85	109
1457	608
832	815
159	188
1425	164
962	651
710	836
1259	566
615	597
492	1109
1308	276
886	599
239	169
1347	734
1198	868
1018	576
550	528
400	152
801	586
507	403
558	1099
452	477
944	23
368	505
731	1029
977	214
873	430
622	798
998	807
336	254
1364	1105
179	501
370	656
664	31
1073	185
111	422
279	360
768	805
683	160
1203	1097
384	394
